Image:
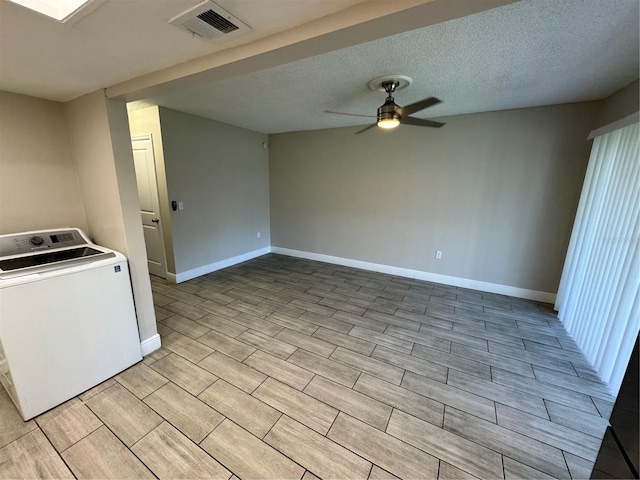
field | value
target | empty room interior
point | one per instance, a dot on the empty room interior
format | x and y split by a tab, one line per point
319	239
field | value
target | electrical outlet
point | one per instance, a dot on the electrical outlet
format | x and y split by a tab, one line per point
438	255
180	206
258	234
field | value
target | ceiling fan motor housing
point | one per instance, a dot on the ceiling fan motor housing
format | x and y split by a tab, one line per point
388	111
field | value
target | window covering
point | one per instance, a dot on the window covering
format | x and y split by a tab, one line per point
597	299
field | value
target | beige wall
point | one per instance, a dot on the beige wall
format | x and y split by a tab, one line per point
221	174
38	183
101	146
144	122
93	155
495	192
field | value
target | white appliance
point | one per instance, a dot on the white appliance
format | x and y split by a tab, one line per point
67	319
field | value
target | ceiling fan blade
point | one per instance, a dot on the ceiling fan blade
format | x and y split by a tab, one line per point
420	122
416	107
366	128
350	114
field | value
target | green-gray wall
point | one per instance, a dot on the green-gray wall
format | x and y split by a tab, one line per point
495	192
622	103
220	173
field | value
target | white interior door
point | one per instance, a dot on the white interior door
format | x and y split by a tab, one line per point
149	204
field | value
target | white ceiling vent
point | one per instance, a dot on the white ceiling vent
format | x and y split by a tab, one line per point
209	20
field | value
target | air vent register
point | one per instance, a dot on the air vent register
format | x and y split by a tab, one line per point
208	20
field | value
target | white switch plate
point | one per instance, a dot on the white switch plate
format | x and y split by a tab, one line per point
438	254
258	234
180	206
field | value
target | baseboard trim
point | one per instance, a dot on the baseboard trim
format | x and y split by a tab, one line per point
149	345
171	277
420	275
212	267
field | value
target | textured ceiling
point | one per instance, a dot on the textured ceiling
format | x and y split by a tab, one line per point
123	39
529	53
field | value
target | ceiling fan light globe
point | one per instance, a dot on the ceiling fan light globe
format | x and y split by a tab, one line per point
388	122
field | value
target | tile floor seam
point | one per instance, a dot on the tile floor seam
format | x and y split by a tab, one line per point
133	393
252	391
497	451
281	452
450	432
519	433
350	415
347	448
190	394
60	453
119	440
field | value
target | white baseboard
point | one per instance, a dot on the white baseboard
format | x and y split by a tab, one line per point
151	344
171	277
420	275
212	267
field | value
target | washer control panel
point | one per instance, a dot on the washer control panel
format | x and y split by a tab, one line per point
28	242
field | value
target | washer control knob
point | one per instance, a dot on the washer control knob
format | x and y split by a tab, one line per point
36	240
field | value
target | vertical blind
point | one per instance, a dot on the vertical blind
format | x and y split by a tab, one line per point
598	295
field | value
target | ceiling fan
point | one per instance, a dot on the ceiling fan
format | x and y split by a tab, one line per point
390	114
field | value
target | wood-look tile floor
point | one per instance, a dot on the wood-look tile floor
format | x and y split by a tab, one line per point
287	368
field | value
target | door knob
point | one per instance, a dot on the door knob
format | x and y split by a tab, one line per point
155	220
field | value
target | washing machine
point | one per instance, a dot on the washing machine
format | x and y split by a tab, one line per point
67	318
